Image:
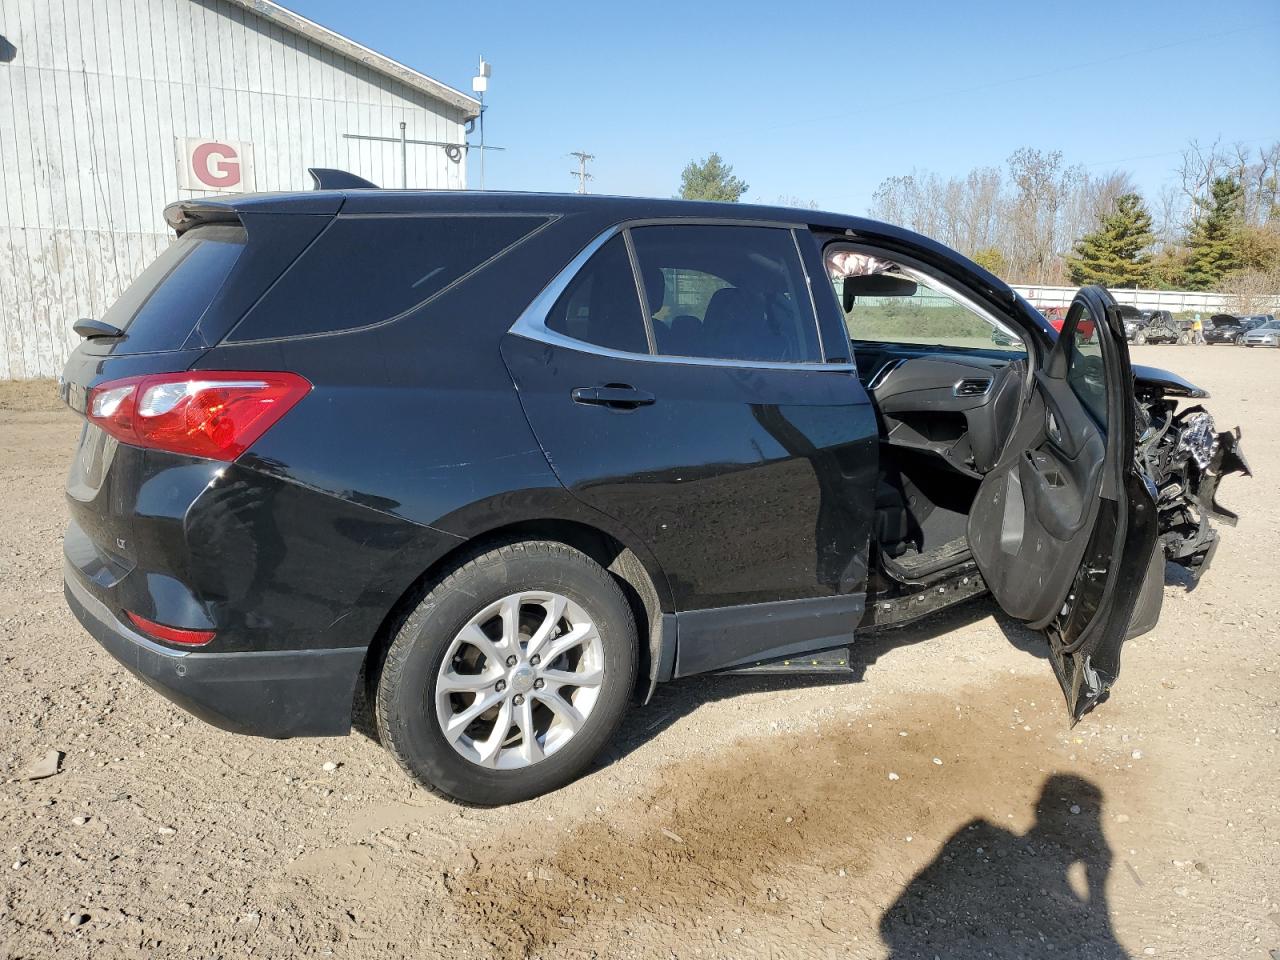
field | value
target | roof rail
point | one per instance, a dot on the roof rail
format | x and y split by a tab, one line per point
326	178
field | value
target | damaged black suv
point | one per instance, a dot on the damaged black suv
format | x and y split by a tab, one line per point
497	463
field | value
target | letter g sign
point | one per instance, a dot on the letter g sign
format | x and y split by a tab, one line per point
215	165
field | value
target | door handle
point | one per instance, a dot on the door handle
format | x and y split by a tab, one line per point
618	396
1052	429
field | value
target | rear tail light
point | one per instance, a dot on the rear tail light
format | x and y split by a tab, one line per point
189	638
200	413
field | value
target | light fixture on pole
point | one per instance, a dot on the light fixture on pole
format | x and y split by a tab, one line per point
479	84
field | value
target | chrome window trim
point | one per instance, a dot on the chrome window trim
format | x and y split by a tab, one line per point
813	304
883	373
532	322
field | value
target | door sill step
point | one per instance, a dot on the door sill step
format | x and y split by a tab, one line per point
835	660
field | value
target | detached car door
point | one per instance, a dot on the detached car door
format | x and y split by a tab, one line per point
1064	528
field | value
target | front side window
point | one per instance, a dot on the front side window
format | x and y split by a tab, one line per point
727	293
887	302
1086	374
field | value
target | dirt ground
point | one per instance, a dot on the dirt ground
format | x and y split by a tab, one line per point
935	804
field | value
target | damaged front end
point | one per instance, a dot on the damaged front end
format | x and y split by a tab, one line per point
1185	457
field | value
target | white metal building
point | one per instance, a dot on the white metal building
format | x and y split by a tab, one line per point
110	109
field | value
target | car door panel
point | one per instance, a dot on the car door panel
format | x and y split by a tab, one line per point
1064	528
1021	494
749	485
751	481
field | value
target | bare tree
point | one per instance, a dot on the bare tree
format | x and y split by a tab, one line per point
1041	188
1254	291
1033	214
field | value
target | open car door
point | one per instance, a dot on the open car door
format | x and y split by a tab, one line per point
1064	528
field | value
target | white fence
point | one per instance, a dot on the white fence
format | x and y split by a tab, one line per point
1175	301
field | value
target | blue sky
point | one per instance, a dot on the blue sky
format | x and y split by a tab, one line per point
820	102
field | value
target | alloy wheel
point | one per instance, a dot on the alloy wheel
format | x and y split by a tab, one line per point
519	680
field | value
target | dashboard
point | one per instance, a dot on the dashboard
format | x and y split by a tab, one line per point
958	407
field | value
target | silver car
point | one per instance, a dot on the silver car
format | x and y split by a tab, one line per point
1267	335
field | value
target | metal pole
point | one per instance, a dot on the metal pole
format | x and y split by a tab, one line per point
482	140
404	157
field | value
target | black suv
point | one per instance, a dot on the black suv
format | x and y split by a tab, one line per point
500	462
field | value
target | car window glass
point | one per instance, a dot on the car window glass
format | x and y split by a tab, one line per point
727	293
1085	372
160	308
602	305
363	270
884	303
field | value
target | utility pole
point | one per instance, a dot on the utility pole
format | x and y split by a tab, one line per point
581	172
479	84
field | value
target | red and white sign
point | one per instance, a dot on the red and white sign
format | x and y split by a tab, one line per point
225	165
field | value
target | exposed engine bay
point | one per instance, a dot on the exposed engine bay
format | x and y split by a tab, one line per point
1185	456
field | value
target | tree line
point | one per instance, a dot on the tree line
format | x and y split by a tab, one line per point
1037	220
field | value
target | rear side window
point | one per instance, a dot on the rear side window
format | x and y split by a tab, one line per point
727	293
163	305
366	269
601	305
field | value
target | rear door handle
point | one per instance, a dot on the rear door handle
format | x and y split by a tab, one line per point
618	396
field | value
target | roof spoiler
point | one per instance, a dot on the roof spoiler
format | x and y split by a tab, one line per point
185	214
326	178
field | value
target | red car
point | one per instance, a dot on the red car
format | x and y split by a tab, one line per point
1056	316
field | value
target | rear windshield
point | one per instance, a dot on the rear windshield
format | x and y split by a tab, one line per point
366	269
164	304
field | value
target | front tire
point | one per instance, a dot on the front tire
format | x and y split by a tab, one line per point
509	676
1139	338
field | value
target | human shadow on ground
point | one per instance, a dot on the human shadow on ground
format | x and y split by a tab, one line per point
991	892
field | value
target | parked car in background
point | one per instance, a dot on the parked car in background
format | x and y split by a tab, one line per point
1057	316
1223	328
503	462
1266	334
1160	327
1133	319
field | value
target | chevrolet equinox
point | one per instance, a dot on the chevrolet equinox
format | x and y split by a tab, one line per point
498	464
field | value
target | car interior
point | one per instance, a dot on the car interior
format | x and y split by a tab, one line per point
945	381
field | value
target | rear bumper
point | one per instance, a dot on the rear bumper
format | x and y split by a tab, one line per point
277	693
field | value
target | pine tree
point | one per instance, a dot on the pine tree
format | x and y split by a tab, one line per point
1117	254
712	179
992	260
1214	243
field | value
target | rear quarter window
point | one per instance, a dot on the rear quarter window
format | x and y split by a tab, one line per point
364	270
162	306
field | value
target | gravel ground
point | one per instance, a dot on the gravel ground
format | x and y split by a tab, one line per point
934	804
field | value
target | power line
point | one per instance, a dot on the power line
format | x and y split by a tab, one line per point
581	172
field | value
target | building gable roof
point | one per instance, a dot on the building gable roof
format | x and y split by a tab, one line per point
323	36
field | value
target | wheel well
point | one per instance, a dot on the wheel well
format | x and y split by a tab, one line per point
616	557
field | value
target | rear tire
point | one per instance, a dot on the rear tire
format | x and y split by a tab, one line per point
486	758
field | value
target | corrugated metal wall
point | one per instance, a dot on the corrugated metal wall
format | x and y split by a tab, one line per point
91	104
